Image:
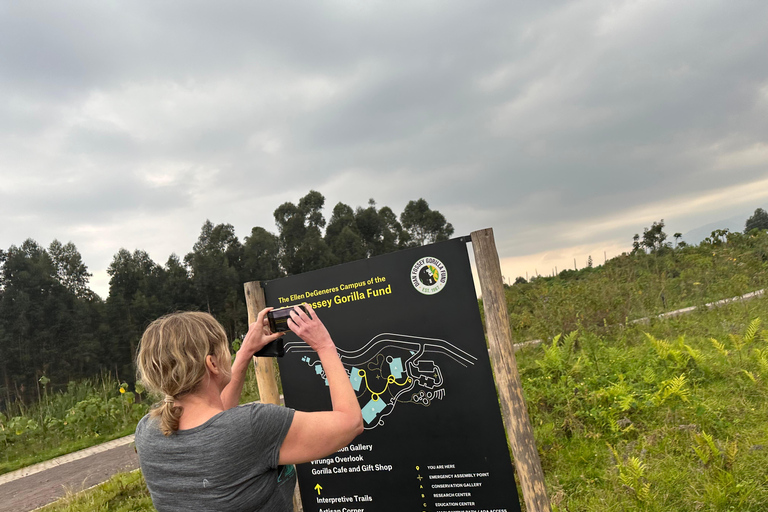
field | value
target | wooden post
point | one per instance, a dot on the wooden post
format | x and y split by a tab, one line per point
266	378
514	411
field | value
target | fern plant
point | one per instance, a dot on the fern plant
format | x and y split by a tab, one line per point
706	448
676	387
632	476
557	357
679	354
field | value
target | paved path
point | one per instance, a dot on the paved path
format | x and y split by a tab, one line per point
35	486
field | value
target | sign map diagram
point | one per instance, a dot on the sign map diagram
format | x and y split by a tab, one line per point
391	369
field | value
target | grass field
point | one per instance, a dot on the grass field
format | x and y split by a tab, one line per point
669	416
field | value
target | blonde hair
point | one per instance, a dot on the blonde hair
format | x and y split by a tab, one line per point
171	359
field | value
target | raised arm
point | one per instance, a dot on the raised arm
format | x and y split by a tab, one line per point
316	434
258	336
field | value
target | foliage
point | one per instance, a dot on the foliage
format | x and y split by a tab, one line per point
44	315
260	256
759	220
89	412
361	233
654	239
631	412
302	247
125	492
215	264
424	225
655	417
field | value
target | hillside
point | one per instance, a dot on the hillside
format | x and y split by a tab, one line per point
668	415
638	285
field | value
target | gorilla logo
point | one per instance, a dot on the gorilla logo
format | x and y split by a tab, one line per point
429	275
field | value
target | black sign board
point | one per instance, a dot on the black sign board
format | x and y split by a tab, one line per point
408	330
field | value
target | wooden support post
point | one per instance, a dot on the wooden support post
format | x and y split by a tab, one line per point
266	378
514	410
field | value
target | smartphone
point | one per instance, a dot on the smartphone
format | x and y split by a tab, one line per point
278	322
278	318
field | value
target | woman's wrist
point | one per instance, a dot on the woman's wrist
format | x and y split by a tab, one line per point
329	348
241	362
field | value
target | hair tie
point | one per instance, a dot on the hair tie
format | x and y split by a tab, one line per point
168	399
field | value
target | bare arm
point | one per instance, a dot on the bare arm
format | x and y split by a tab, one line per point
317	434
254	341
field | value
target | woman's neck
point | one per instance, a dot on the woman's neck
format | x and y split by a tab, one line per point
199	407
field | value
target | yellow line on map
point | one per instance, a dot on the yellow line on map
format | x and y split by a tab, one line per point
390	380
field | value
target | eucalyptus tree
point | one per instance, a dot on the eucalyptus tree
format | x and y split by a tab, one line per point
302	247
343	235
178	292
215	264
758	220
379	229
45	327
135	299
71	272
261	251
424	225
653	239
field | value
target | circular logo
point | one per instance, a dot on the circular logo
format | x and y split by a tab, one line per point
429	275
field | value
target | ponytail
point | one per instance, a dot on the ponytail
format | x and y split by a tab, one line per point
169	414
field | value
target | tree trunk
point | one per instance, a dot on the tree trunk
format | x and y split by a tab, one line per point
7	387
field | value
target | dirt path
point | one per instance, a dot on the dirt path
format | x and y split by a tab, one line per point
35	486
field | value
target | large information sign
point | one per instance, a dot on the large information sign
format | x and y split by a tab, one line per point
408	331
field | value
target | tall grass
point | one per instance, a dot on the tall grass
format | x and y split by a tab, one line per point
669	416
87	413
125	492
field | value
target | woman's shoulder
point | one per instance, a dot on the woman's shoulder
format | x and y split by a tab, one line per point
142	425
147	430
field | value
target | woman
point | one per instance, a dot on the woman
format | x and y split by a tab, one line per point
198	450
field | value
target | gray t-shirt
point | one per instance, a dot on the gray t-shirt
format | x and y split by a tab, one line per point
227	464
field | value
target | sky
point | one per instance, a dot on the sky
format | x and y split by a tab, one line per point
566	126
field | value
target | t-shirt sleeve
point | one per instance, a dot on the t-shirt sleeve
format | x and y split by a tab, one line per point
138	437
270	424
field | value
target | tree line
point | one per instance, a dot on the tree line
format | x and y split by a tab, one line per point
654	239
53	326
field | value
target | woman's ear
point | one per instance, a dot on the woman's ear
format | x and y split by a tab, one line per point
211	364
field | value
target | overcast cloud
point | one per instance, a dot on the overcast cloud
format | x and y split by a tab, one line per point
565	126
